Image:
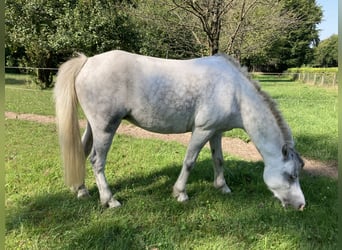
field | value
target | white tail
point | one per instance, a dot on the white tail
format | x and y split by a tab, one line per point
67	122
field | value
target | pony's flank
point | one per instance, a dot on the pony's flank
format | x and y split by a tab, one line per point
271	104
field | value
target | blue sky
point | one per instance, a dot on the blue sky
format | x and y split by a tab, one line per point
329	24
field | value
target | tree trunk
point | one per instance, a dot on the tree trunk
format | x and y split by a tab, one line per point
210	15
44	78
213	46
215	27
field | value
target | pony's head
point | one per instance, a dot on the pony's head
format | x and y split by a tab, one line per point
282	178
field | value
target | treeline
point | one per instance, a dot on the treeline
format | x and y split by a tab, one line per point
265	35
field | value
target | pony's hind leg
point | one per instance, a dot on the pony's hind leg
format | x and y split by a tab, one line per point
216	152
102	140
87	141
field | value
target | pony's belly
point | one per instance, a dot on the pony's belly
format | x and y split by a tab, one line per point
165	126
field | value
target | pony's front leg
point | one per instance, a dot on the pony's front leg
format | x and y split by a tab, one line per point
198	140
216	152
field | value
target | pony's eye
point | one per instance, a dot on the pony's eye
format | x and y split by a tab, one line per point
292	177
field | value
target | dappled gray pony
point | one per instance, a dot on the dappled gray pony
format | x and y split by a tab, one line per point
206	96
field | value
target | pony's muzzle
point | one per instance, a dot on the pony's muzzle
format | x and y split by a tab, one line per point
301	207
296	205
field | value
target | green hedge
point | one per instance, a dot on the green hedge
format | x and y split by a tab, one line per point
312	70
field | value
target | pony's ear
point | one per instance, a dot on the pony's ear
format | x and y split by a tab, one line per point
285	151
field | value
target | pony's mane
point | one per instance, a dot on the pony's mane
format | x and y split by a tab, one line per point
284	128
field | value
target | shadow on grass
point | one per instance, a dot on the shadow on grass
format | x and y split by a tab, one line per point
21	80
276	78
151	218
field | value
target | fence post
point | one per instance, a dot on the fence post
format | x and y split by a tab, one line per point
322	82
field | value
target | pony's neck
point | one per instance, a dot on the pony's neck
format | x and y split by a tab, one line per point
261	125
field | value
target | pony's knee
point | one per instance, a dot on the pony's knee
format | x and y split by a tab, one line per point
189	165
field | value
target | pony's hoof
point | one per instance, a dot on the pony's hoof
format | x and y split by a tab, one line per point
225	189
181	196
222	186
83	193
112	203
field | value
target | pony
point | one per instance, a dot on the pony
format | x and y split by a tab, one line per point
205	96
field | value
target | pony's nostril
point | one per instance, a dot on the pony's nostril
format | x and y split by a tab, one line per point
301	207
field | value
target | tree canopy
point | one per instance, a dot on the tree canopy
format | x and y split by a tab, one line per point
43	33
262	34
326	53
294	47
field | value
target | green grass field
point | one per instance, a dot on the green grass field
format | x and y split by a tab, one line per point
41	213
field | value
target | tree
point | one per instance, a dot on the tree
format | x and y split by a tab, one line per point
251	26
29	28
48	37
94	27
210	14
326	53
247	29
262	34
293	48
164	31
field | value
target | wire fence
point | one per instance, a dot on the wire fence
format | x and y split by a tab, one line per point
321	79
9	69
326	79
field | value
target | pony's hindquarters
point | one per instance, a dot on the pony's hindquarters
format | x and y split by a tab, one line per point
67	122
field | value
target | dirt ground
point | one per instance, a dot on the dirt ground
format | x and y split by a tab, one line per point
232	146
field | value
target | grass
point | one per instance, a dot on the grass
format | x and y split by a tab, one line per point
23	97
42	214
